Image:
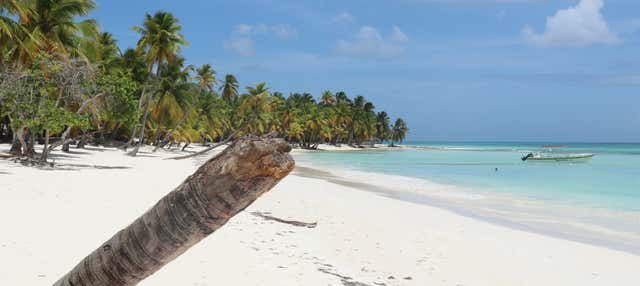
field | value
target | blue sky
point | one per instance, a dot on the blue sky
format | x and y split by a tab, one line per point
480	70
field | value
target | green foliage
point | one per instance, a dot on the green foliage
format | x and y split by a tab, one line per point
55	119
120	104
60	72
160	38
399	130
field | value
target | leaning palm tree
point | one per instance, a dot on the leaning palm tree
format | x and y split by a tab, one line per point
161	40
399	131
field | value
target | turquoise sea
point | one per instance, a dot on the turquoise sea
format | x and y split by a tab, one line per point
601	195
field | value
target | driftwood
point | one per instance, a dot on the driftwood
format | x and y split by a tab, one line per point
206	200
268	216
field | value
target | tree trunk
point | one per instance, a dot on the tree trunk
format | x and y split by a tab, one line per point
135	128
23	142
82	142
29	149
204	202
65	146
185	145
133	137
147	108
45	150
16	146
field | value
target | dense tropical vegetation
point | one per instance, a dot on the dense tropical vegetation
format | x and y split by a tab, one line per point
63	80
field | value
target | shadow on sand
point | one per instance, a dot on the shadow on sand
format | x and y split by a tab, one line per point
78	167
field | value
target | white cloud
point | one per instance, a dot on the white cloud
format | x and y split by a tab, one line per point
284	31
344	18
243	29
261	29
242	37
240	45
577	26
368	42
398	36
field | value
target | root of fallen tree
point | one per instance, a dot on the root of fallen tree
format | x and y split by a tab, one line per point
204	202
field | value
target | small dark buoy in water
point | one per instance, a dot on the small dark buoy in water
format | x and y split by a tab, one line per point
496	170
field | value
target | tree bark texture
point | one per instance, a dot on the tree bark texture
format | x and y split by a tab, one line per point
205	201
16	146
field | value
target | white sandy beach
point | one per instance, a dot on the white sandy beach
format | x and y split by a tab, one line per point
51	219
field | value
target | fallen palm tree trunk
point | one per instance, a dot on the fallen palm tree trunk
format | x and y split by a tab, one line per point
218	190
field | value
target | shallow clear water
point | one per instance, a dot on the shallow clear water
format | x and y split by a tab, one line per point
609	180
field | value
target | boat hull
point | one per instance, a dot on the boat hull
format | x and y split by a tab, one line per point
562	158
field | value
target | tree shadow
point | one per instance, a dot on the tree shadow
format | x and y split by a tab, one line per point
78	167
78	153
61	155
146	155
95	149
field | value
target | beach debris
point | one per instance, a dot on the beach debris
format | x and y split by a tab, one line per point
220	189
267	216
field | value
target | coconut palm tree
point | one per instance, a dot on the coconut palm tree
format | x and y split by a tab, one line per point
343	121
342	98
255	109
102	50
174	96
327	98
30	28
205	80
9	10
229	88
161	40
9	27
399	131
55	22
133	61
213	117
383	131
